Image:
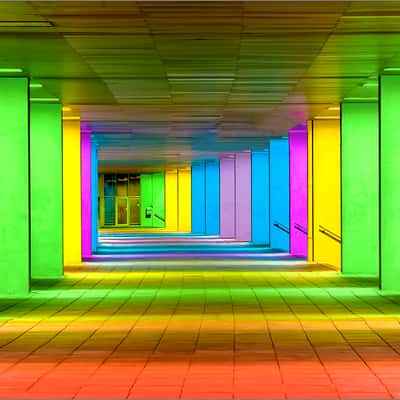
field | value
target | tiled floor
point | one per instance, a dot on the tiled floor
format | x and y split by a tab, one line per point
201	333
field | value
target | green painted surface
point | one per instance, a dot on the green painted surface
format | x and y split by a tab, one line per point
390	178
360	189
14	183
146	190
46	191
152	188
158	200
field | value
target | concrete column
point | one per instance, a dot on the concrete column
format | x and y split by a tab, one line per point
212	197
298	190
198	198
227	198
360	188
15	192
243	196
260	197
46	191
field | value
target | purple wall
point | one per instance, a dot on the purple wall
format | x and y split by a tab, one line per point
298	190
243	196
86	195
227	197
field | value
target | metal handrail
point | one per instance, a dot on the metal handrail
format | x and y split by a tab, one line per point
281	227
301	228
160	217
334	236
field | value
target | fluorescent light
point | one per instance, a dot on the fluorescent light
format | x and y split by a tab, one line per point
44	99
370	84
71	118
201	79
35	85
66	108
10	70
360	99
335	108
392	69
326	117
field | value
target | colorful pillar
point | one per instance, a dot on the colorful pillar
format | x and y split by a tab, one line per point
212	197
227	198
15	190
184	200
243	196
260	197
298	190
360	188
46	191
198	197
72	192
325	192
171	200
94	177
86	194
389	140
279	194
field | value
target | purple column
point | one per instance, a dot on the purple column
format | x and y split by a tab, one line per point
243	196
298	190
86	195
227	197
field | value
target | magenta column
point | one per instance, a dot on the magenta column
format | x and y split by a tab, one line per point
298	190
243	196
227	197
86	197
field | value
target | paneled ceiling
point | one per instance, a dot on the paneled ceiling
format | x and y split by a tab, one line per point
166	82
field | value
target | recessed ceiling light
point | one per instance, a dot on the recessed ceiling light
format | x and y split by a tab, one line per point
334	108
10	70
71	118
66	108
44	99
360	99
326	117
370	84
392	69
34	85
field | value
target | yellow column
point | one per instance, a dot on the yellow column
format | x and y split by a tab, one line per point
72	192
185	200
310	230
326	192
171	200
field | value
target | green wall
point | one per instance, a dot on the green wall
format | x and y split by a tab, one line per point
360	189
46	191
389	137
14	183
152	189
159	200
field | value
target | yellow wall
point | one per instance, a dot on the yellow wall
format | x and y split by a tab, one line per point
184	200
72	192
326	190
171	200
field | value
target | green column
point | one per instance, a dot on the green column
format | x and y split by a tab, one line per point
146	200
389	136
360	189
14	184
46	191
159	200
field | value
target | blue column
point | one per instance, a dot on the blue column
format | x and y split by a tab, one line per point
212	197
260	197
95	194
198	198
279	194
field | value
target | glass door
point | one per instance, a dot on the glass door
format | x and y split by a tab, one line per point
122	211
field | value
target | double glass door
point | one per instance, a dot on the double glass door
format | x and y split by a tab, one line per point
121	199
